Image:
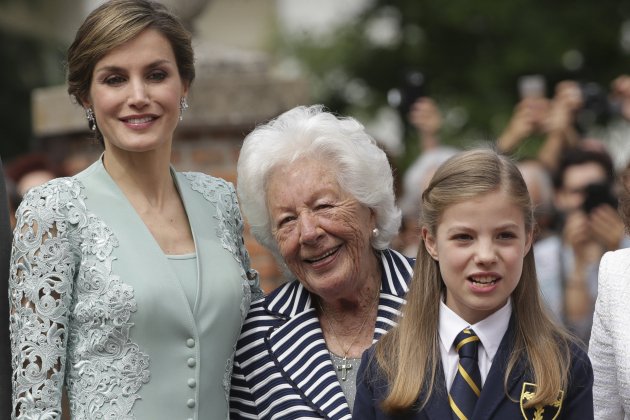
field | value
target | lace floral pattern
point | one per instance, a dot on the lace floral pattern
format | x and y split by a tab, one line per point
230	232
229	229
66	301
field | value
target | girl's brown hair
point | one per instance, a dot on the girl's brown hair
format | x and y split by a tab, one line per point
113	24
413	345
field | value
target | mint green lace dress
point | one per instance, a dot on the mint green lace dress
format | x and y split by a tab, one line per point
97	306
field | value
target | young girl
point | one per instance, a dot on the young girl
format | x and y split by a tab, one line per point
475	290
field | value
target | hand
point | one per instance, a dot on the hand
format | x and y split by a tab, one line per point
578	235
607	226
526	120
568	92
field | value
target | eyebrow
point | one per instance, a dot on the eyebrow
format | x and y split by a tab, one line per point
461	227
154	64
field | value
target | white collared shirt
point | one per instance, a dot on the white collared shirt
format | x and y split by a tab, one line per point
489	330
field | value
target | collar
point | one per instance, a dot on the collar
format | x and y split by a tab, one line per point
489	330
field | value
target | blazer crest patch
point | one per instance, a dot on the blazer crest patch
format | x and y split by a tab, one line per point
539	412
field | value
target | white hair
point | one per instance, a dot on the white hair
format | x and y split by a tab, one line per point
362	168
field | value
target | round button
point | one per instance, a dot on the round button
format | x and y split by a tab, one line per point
192	383
192	362
191	403
190	343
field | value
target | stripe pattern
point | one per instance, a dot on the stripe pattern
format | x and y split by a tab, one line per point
282	368
466	386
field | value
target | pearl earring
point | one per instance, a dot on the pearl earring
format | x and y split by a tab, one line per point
375	232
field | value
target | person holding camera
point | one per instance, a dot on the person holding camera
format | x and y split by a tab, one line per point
590	226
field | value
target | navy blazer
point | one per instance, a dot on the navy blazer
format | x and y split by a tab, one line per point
493	402
5	343
282	368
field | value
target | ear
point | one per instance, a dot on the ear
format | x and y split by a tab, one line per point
429	243
85	103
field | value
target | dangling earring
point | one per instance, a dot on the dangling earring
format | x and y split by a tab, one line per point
89	114
183	106
375	232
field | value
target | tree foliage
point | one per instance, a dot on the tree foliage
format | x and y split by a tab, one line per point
471	54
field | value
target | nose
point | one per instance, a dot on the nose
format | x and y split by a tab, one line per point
485	252
138	94
310	230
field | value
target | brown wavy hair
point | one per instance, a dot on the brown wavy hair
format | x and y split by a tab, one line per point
412	347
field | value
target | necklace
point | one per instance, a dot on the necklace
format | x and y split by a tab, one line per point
345	366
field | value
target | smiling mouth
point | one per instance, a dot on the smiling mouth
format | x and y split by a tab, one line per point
321	257
485	281
142	120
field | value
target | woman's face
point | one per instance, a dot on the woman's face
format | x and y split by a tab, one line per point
322	232
480	245
135	94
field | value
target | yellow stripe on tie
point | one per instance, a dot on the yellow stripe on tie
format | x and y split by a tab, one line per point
466	341
456	409
468	380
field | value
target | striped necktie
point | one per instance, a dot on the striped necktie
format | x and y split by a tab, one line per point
466	386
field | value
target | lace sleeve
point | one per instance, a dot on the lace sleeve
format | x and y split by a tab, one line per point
40	289
252	275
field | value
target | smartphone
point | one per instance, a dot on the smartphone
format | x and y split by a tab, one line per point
414	88
596	195
532	86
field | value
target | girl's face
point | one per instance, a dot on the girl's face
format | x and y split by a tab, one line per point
480	245
135	94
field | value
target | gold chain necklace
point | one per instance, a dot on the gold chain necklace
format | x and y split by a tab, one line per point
344	367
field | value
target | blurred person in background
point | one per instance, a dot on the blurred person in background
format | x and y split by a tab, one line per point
129	281
610	337
5	348
589	226
30	170
319	193
426	117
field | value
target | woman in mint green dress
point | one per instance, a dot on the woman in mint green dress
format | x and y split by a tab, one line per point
129	281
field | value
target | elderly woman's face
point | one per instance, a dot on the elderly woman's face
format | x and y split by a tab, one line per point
322	232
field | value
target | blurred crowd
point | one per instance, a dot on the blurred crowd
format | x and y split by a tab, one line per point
573	180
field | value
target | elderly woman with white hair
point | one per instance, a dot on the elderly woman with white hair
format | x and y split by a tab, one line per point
318	192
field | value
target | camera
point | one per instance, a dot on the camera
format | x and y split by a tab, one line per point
597	194
597	108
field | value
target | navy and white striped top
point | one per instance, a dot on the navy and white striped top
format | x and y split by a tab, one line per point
282	368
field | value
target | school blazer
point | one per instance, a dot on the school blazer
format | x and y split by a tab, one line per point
577	404
5	344
282	368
